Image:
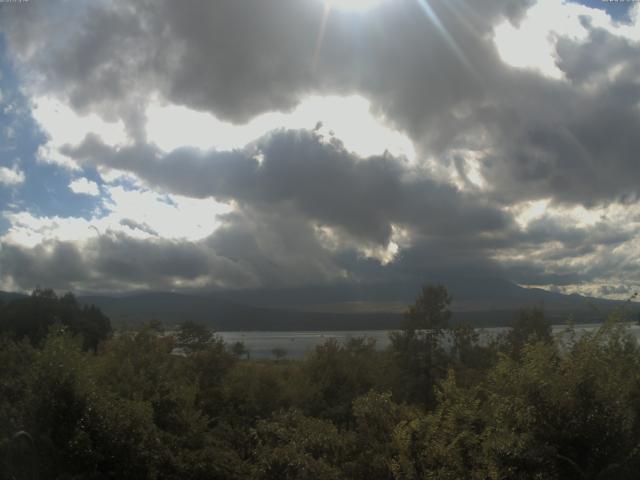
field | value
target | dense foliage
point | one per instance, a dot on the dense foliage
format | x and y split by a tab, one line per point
439	403
32	318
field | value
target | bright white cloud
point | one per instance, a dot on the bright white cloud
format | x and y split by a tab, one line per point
532	43
11	176
525	212
30	230
576	216
170	216
140	214
352	5
84	187
599	244
333	240
596	289
464	168
347	118
64	126
400	238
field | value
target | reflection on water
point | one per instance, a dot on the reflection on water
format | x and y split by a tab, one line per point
297	344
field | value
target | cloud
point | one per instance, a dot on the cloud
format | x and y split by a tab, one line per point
138	213
244	252
330	115
83	186
64	126
533	43
529	135
45	264
11	176
499	159
294	217
316	176
181	53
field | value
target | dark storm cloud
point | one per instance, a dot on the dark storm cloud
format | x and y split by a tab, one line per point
119	256
236	58
320	179
578	147
117	262
54	264
570	256
239	59
279	246
545	138
591	60
546	230
250	249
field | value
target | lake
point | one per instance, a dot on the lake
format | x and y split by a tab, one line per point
297	344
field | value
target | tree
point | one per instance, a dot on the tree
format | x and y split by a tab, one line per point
339	373
33	316
238	349
468	356
567	414
417	349
530	326
554	413
430	310
446	443
292	446
279	353
193	337
372	444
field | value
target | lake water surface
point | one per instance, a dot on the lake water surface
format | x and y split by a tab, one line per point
297	344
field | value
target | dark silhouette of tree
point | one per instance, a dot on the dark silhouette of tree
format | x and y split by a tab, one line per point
430	310
32	317
239	349
279	353
417	348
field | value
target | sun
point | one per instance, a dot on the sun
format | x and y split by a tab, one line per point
358	6
352	5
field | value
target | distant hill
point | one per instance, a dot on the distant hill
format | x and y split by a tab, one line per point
474	294
480	302
222	315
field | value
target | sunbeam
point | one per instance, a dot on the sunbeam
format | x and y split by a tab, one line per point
358	6
321	32
435	20
353	5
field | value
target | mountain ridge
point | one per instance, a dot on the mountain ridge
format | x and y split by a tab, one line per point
480	302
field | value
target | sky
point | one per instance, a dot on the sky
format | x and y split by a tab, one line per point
204	145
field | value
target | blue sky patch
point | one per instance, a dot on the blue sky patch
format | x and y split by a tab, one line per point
617	9
45	190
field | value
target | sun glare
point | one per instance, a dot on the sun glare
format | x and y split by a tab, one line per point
352	5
